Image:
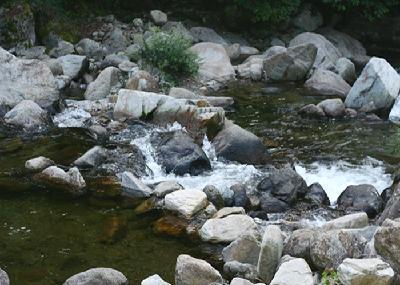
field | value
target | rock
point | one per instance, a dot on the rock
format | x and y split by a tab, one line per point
392	208
293	271
113	60
284	184
90	48
158	17
73	65
240	281
327	54
227	229
93	276
387	245
330	248
246	51
333	107
54	66
115	41
166	187
192	271
143	81
62	48
308	19
352	221
203	34
22	79
365	271
214	196
178	153
270	253
102	86
233	269
327	83
133	186
186	202
299	244
292	64
316	195
394	115
245	249
237	144
38	163
178	27
233	51
171	225
92	158
312	110
252	68
4	280
72	118
72	180
224	212
271	204
346	69
127	66
182	93
154	280
348	46
240	198
215	64
27	114
377	87
361	198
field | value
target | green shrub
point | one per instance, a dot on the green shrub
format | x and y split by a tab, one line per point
170	53
329	277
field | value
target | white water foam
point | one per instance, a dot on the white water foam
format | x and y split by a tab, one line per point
222	175
336	176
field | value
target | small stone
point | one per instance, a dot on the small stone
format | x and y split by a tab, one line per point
38	163
186	202
166	187
154	280
133	186
93	276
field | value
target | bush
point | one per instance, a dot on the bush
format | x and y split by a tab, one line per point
170	53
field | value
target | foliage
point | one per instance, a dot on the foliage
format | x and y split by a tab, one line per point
170	53
329	277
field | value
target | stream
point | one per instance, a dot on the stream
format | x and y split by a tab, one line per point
47	236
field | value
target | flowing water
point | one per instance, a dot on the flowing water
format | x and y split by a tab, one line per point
46	236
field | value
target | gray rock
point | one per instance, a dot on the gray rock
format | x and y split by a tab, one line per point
143	81
234	269
214	196
292	64
154	280
325	82
387	245
362	198
38	163
299	244
4	280
186	202
327	54
377	87
62	48
158	17
72	179
333	107
224	212
22	79
182	93
54	65
227	229
203	34
113	60
127	66
312	110
365	271
309	19
246	249
236	144
102	86
35	52
90	48
73	65
346	69
392	208
27	114
106	276
252	68
133	186
178	27
316	195
240	281
293	271
92	158
270	253
394	115
166	187
352	221
240	198
192	271
115	41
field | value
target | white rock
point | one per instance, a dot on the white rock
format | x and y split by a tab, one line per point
166	187
154	280
352	221
158	17
26	114
186	202
224	212
101	87
227	229
38	163
134	186
100	276
394	115
72	118
371	271
240	281
294	271
72	178
73	65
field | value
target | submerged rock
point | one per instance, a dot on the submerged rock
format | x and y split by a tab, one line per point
192	271
107	276
312	110
377	87
28	115
38	163
186	202
293	271
325	82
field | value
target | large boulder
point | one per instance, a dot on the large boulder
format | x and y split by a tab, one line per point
362	198
73	65
316	195
28	115
327	54
178	153
270	253
22	79
215	65
372	271
236	144
333	107
387	245
292	64
203	34
192	271
299	244
101	87
392	208
377	87
246	249
227	229
325	82
293	271
186	202
99	276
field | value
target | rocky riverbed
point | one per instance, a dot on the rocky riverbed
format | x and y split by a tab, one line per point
273	167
